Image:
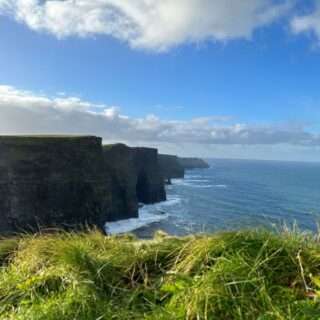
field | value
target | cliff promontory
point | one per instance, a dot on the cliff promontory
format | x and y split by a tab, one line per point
51	181
135	178
67	181
193	163
150	183
171	167
120	168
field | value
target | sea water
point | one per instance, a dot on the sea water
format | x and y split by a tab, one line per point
234	194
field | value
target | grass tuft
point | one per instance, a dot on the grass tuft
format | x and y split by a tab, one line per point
252	274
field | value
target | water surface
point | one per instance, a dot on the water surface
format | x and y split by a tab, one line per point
235	194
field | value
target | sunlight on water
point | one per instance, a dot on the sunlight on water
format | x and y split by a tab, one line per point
234	194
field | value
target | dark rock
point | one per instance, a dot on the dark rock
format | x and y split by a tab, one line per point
71	181
150	183
193	163
120	166
136	178
52	181
170	167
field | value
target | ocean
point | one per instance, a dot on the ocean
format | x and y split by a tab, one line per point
234	194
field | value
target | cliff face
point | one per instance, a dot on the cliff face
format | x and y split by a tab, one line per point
52	181
150	183
68	181
193	163
120	167
135	177
170	167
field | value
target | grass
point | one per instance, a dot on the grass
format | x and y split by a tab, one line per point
243	275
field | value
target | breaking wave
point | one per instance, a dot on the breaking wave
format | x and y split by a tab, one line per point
148	214
192	183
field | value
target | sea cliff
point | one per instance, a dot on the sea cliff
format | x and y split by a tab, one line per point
171	167
120	169
135	178
193	163
51	181
174	167
72	181
150	184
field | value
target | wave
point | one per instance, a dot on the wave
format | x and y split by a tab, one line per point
190	183
148	214
171	201
188	176
129	225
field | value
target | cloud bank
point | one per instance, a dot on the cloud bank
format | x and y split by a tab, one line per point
148	24
23	112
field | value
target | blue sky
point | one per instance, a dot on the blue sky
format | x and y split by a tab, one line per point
244	90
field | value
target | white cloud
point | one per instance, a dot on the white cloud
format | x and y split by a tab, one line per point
22	112
308	23
150	24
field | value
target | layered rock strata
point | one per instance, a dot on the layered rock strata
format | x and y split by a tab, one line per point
150	184
136	178
52	181
71	181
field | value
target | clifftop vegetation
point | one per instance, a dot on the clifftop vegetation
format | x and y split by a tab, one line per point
235	275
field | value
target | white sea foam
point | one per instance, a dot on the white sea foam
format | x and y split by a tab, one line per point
192	183
148	214
171	201
187	176
129	225
177	181
204	186
222	186
197	180
196	177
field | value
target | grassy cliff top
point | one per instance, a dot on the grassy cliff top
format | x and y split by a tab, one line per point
45	138
114	146
234	275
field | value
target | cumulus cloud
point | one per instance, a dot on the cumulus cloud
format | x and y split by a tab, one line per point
23	112
308	23
149	24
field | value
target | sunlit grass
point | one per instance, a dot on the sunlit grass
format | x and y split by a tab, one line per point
233	275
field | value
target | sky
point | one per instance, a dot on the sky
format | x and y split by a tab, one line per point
209	78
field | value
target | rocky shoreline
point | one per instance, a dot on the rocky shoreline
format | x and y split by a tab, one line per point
72	181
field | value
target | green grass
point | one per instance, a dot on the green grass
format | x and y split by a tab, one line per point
234	275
